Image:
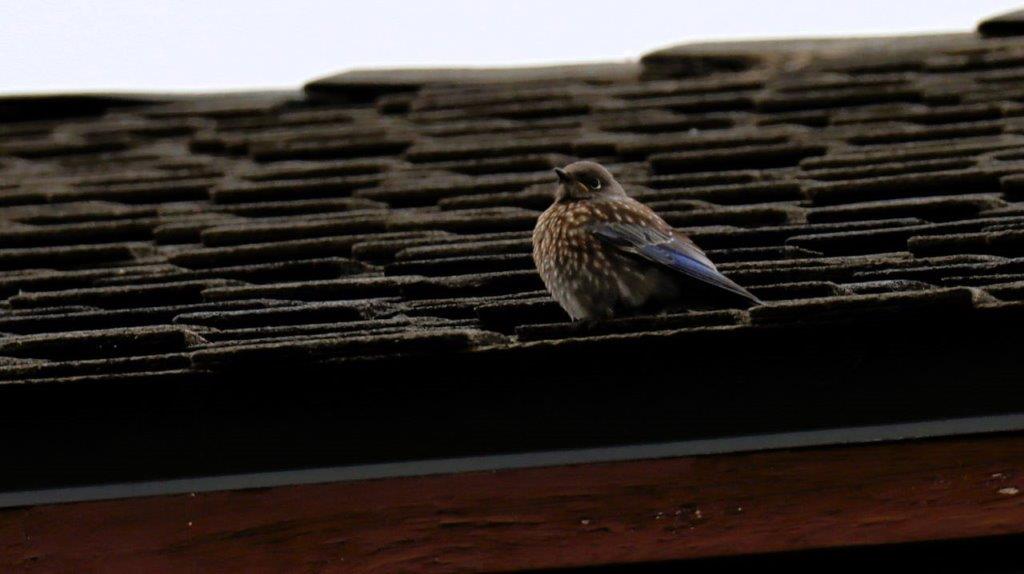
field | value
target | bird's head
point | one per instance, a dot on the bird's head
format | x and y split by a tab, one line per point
584	180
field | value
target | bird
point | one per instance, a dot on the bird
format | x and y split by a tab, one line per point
602	254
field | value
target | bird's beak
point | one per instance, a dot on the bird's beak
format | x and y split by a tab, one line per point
563	176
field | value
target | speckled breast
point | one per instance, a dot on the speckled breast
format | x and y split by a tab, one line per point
579	271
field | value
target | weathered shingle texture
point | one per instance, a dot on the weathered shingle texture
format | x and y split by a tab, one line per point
390	216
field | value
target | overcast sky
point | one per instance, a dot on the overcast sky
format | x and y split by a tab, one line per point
158	45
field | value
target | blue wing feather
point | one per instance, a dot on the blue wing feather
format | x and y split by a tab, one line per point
673	252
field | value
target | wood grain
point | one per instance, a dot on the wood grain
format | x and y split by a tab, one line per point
545	517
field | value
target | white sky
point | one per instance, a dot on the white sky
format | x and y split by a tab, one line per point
160	45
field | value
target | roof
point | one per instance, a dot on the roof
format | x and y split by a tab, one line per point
236	247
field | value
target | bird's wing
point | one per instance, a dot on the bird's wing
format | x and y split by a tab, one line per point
669	249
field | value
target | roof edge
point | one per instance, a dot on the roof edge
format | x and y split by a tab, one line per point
52	106
791	54
680	60
366	84
837	437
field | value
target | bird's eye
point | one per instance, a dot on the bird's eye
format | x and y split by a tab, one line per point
595	183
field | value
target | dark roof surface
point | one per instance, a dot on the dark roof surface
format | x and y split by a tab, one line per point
390	213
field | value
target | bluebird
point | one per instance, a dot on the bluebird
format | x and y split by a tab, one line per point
602	253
